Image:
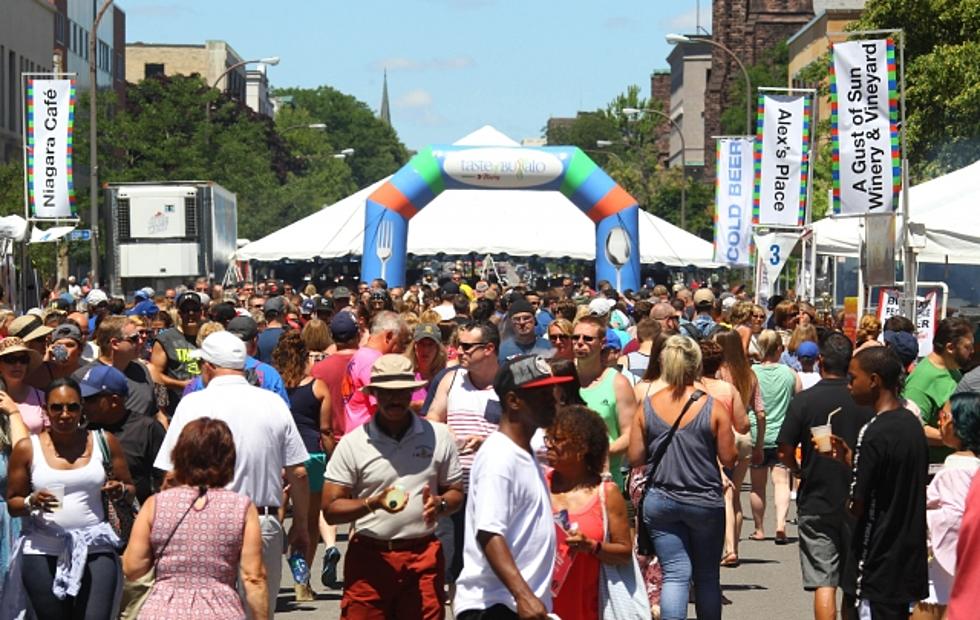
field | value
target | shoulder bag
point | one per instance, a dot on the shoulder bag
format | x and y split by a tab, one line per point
644	546
135	592
119	512
622	591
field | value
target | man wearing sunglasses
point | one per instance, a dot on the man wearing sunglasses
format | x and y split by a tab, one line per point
523	341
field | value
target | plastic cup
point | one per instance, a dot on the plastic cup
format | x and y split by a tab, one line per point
58	490
821	434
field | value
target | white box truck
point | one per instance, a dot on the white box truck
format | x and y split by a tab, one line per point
161	234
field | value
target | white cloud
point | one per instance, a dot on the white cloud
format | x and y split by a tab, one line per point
417	98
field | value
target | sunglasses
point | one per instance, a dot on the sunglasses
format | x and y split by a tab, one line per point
559	337
17	359
584	338
69	407
133	338
468	347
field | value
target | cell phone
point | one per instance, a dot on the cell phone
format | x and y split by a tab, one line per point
561	518
59	353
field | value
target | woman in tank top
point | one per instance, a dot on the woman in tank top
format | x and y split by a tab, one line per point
310	404
578	444
684	508
64	515
17	362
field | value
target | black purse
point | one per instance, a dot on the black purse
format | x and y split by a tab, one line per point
120	512
644	546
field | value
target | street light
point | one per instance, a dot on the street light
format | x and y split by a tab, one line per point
270	60
679	39
344	153
93	172
320	126
680	134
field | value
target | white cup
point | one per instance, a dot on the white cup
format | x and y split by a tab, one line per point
58	490
821	434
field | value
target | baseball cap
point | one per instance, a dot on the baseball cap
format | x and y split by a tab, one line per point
520	306
244	327
322	304
481	287
427	330
343	327
67	330
525	372
808	349
223	349
905	345
96	297
393	372
143	293
449	289
275	304
223	312
446	313
341	292
28	327
307	307
704	297
144	308
612	341
103	379
188	297
728	302
600	306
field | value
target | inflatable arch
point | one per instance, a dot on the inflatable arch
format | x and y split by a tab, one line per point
564	169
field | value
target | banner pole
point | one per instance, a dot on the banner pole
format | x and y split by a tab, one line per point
911	269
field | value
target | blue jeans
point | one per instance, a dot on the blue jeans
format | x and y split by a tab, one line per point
688	540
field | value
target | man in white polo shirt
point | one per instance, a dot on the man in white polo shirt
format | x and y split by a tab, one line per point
392	477
266	441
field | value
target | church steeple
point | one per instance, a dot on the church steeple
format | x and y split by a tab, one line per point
385	114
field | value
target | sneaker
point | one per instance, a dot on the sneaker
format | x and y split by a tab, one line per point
328	576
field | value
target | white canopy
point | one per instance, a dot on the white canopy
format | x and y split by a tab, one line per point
947	207
514	222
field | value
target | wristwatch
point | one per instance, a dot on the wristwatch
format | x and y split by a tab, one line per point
443	505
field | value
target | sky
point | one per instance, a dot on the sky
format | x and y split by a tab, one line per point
453	65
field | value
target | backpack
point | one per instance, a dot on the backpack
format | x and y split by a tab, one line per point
690	330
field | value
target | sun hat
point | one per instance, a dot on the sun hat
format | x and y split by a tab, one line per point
11	345
393	372
28	327
223	349
102	378
525	372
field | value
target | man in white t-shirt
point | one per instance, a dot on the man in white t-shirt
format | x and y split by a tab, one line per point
392	477
266	442
509	547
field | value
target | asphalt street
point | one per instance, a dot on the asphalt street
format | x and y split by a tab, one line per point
766	584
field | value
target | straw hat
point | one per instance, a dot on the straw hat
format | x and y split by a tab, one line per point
12	345
393	372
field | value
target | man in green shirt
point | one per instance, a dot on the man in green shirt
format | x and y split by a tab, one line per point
935	377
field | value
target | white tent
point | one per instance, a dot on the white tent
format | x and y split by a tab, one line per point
514	222
946	206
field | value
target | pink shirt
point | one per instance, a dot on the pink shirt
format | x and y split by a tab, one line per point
945	504
32	411
358	406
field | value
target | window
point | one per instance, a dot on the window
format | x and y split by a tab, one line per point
120	67
3	73
152	69
59	28
12	91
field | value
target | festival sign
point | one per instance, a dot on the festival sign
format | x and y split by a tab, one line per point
782	153
50	121
774	250
864	127
926	315
733	201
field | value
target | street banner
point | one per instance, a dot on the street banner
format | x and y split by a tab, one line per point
733	201
774	250
867	168
782	154
926	315
50	120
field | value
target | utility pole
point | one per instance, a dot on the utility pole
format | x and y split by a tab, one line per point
93	175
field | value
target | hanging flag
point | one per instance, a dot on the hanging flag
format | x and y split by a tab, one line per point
733	201
774	250
782	154
50	121
864	127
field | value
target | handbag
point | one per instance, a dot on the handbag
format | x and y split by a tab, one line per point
119	512
136	591
622	590
644	546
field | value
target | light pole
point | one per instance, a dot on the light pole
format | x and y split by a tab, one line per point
344	153
271	60
673	123
93	149
320	126
679	39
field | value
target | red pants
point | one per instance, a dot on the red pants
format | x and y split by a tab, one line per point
381	584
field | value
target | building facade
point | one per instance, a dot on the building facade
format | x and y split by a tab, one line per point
72	34
690	66
660	99
210	61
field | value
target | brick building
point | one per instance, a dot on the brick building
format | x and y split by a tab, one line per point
748	28
660	99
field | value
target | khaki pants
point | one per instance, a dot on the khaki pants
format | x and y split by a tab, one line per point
273	540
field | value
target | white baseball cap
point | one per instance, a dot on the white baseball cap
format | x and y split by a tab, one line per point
223	349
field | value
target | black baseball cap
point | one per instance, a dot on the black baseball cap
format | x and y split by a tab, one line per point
188	297
525	372
244	327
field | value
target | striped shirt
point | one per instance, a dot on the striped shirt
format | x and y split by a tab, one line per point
469	411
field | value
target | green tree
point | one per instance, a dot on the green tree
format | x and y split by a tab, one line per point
771	70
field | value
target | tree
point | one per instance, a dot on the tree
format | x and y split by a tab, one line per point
771	70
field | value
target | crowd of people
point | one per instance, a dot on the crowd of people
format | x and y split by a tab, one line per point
497	452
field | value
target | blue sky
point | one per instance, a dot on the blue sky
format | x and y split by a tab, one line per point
453	65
